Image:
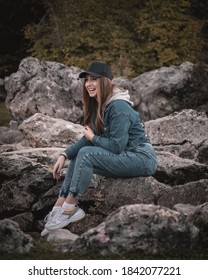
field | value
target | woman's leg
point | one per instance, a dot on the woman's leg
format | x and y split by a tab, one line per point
67	180
63	200
92	159
98	160
63	194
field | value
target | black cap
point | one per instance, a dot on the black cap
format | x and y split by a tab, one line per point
97	69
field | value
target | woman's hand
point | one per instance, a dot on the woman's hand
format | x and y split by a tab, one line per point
88	133
58	166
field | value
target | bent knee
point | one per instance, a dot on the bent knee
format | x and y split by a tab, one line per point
84	151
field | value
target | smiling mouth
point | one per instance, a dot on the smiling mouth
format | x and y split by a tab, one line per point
91	90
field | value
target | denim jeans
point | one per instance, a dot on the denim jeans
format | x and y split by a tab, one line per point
95	160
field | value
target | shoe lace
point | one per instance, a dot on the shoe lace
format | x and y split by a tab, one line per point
52	215
47	217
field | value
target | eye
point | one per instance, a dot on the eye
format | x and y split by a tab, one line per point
94	78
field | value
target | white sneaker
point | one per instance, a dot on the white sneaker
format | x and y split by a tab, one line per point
64	218
44	232
49	218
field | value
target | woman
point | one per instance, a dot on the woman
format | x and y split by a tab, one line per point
114	144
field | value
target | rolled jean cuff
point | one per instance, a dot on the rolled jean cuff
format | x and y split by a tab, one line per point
64	194
74	194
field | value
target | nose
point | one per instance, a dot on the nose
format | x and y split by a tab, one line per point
88	82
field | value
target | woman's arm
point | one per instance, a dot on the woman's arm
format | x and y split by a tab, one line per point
73	150
118	136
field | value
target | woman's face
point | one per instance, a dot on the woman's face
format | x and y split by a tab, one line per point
91	85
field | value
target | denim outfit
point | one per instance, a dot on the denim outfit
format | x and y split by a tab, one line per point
123	150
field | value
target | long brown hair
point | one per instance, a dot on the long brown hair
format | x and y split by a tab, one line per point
104	91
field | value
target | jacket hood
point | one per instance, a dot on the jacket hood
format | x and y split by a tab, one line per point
120	94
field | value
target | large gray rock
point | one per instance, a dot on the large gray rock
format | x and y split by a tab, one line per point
61	235
198	215
194	193
23	182
174	170
46	87
44	131
113	193
135	229
200	219
169	89
13	240
10	136
183	133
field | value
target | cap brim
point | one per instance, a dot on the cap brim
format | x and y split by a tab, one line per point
84	74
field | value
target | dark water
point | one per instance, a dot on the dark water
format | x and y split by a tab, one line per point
5	116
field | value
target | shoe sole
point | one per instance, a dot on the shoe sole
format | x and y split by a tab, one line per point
44	232
80	214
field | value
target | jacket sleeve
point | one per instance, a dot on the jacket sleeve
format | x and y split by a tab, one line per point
118	135
73	150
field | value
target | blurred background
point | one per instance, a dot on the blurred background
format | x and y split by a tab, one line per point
132	36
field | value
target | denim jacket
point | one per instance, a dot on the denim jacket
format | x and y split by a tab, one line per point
123	130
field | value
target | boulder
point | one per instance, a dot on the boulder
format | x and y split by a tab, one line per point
62	235
181	133
44	87
13	240
44	131
194	193
10	136
113	193
169	89
174	170
23	182
138	229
